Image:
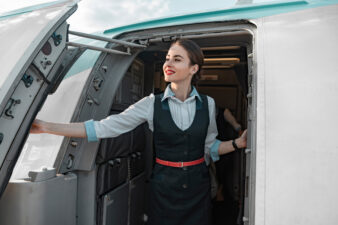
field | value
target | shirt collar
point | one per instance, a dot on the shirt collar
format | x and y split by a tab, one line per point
169	93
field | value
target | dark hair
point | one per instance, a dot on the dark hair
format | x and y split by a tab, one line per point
195	55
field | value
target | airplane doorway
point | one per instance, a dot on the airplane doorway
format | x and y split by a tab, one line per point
226	79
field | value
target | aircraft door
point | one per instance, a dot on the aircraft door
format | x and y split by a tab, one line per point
36	63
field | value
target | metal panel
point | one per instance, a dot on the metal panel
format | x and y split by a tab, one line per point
51	50
15	111
86	197
115	206
131	88
57	108
21	44
95	104
297	92
18	105
137	200
111	174
111	148
136	163
51	202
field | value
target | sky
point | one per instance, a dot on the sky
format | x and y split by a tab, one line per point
98	15
113	13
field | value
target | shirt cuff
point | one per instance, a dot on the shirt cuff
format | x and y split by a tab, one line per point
90	130
214	150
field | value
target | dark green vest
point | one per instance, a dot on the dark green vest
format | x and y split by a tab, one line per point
180	195
173	144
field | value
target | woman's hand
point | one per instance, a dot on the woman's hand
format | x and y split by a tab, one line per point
226	146
242	140
62	129
38	127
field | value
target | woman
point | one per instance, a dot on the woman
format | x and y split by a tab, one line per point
184	130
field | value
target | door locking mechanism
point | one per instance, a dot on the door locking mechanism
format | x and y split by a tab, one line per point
11	104
97	83
28	80
57	38
45	63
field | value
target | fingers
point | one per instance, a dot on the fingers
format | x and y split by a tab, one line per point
37	122
244	134
243	139
36	127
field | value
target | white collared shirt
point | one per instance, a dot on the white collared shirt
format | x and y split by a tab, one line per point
142	111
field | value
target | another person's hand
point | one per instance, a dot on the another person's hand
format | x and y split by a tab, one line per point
38	127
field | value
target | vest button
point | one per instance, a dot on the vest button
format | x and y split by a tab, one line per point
185	152
184	186
185	168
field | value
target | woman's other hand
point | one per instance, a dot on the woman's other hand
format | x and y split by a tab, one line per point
242	140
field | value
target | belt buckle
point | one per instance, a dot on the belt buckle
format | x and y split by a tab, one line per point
181	164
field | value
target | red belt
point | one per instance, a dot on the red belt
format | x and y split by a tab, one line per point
179	164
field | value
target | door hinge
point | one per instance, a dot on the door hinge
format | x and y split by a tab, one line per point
169	38
92	100
42	175
126	44
97	83
28	80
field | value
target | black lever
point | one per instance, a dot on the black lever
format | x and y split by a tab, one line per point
8	111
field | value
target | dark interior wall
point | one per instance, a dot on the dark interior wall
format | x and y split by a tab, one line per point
226	91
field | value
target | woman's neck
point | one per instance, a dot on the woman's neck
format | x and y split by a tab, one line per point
181	90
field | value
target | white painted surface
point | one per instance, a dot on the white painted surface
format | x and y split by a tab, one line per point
259	205
19	37
40	150
49	202
297	148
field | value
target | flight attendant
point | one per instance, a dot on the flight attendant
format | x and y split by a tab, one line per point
184	134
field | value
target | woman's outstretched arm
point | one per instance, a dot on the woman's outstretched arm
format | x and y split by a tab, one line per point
111	126
69	130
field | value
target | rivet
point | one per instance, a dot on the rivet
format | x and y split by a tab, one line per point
73	143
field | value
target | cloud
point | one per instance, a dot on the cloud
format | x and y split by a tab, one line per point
93	15
7	6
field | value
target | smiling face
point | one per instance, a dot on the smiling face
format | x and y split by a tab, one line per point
177	67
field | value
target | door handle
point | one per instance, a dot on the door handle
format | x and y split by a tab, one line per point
9	111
